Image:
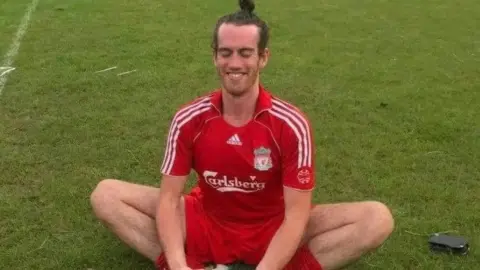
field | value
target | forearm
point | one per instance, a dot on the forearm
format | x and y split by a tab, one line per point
283	245
169	229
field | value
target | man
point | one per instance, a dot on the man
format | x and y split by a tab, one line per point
254	157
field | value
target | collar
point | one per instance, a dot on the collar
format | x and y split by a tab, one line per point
264	101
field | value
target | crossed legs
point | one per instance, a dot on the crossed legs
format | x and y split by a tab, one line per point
337	234
128	210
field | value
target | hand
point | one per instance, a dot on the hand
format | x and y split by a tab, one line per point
260	267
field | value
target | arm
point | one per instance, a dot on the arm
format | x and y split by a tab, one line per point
169	219
287	239
175	169
298	178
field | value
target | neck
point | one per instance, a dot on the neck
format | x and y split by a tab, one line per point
239	110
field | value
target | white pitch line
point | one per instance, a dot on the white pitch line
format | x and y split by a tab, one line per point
6	70
13	51
127	72
107	69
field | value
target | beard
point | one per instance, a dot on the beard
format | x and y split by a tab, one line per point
238	87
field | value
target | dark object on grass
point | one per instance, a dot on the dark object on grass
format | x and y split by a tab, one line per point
449	243
241	266
234	266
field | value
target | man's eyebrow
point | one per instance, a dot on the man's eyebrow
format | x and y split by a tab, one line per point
239	49
247	49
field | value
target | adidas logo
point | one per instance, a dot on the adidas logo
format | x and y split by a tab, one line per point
234	140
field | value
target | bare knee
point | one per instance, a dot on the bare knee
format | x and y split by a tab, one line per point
378	223
104	196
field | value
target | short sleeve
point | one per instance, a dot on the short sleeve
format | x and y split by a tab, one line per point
177	160
297	152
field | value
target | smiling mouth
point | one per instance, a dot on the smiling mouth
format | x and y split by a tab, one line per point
235	75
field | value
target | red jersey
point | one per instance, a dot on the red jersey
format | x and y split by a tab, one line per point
242	170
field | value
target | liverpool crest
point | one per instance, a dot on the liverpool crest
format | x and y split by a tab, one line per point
262	160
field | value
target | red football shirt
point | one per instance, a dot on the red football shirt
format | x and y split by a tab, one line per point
242	170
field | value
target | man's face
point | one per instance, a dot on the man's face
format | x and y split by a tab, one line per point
237	59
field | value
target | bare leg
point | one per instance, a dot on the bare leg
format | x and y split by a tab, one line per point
129	211
338	234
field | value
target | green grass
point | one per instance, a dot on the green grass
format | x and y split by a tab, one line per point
11	13
392	88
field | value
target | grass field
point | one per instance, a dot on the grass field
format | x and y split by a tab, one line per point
392	89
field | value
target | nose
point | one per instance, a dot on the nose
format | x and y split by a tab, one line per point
235	62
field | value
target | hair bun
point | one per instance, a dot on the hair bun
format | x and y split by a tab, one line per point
247	5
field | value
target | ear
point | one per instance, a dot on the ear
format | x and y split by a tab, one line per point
214	57
264	57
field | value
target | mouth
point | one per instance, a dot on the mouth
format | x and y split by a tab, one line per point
235	75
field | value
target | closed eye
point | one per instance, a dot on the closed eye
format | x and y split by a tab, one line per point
243	52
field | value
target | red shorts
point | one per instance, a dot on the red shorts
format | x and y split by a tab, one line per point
210	242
